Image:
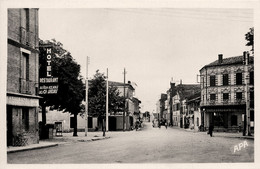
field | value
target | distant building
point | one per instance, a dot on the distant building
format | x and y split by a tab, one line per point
116	120
224	92
163	107
180	110
22	77
193	107
169	102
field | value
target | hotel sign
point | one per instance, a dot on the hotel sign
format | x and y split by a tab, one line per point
48	84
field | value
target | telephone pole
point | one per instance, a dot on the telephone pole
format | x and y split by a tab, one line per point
124	103
107	103
86	105
247	117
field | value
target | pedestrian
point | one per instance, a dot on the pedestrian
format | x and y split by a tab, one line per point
211	127
166	124
136	126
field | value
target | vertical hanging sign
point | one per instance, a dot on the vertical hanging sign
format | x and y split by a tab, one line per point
48	84
48	60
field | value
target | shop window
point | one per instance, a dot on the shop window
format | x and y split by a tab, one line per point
233	120
213	80
218	119
25	118
225	79
238	78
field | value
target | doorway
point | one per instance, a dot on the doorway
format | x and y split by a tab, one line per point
9	128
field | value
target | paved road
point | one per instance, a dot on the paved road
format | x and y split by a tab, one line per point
151	145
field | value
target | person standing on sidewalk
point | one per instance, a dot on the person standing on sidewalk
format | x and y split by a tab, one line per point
211	128
166	124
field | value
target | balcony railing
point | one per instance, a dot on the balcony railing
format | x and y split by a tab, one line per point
224	102
212	102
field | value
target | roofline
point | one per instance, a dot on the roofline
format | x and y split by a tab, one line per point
207	66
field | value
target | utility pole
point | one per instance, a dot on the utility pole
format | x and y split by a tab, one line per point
107	103
124	103
86	105
247	118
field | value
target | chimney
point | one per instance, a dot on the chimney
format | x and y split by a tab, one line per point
245	58
220	58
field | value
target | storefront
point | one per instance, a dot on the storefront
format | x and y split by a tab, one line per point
22	119
225	118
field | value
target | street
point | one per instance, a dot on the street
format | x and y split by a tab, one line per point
149	145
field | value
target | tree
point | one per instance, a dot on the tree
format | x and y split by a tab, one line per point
97	97
249	36
69	96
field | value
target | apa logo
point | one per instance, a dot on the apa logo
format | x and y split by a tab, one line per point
240	146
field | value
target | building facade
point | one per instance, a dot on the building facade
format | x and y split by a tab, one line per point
181	115
116	120
22	77
193	108
226	86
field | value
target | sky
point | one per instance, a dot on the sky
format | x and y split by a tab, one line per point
154	45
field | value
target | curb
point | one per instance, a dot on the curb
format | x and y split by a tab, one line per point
102	138
53	145
32	148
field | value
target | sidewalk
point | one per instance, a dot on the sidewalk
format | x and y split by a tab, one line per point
66	138
223	134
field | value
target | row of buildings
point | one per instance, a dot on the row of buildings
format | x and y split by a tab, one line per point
22	92
223	97
115	120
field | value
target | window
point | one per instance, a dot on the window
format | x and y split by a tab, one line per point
239	96
252	115
27	19
251	95
25	66
203	85
197	121
225	79
213	80
25	118
212	97
178	106
238	78
225	96
251	80
233	120
252	105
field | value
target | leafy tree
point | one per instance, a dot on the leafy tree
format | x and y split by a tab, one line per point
69	96
97	97
250	38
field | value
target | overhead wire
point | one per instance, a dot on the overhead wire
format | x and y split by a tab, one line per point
187	14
